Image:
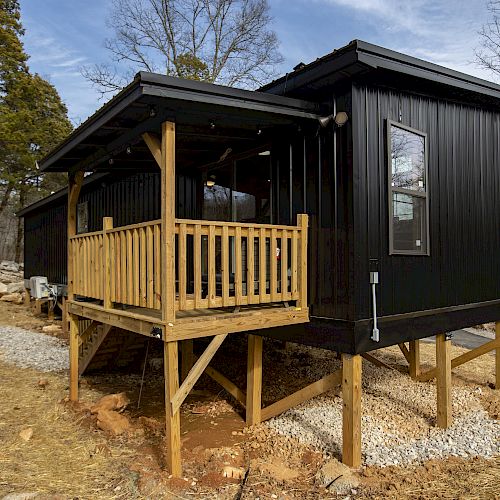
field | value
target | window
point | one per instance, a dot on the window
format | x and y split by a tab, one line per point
408	200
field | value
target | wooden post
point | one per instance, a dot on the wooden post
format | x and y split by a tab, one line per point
73	357
27	296
173	423
254	380
302	221
107	224
414	358
75	185
351	415
168	221
187	357
64	311
37	307
50	310
443	381
497	356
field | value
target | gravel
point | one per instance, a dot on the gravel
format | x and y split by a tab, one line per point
397	421
33	350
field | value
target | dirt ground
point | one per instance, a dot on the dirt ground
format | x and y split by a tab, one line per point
67	456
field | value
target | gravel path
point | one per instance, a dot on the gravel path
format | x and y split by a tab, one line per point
397	420
33	350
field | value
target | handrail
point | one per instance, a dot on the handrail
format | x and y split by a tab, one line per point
218	264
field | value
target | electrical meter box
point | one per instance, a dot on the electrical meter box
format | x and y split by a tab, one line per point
39	287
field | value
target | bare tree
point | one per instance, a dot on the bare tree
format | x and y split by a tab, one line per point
221	41
488	54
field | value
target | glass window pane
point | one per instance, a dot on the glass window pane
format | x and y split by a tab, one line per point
409	223
407	159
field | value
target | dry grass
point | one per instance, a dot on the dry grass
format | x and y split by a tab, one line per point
62	457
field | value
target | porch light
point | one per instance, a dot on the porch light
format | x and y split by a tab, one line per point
210	182
340	119
265	153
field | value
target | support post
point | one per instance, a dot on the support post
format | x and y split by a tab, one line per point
107	224
173	423
497	356
303	221
351	416
168	221
187	357
254	380
27	296
443	381
64	311
414	358
73	357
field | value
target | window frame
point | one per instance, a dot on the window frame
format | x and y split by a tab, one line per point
409	192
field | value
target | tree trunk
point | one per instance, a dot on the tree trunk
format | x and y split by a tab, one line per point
20	228
6	196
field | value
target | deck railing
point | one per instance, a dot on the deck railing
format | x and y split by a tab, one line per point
218	264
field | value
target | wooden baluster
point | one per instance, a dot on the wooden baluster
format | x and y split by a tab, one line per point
182	266
262	265
150	259
144	287
107	224
238	278
303	222
284	265
135	265
295	264
197	266
123	243
250	266
112	256
118	260
157	239
225	266
211	266
130	268
274	266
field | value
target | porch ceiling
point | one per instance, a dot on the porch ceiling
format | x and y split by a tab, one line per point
210	119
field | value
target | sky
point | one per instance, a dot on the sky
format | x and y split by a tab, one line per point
64	35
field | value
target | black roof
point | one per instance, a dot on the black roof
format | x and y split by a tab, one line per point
359	57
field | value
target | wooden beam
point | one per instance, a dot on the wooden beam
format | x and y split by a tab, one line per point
173	422
375	361
73	357
414	360
187	357
463	358
196	372
75	185
168	221
443	381
229	386
351	415
312	390
154	145
497	355
405	351
254	380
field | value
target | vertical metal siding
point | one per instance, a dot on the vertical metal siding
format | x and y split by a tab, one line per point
463	190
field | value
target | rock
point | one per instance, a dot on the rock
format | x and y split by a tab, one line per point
17	287
3	289
26	434
111	402
278	470
15	298
21	496
52	329
43	383
337	477
9	265
113	422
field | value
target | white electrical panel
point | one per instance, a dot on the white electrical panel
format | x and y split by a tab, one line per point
39	287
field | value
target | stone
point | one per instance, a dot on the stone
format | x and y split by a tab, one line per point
113	422
26	434
3	289
52	329
15	298
21	496
337	477
113	402
9	265
43	383
17	287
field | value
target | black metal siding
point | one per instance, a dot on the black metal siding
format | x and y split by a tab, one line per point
128	199
464	194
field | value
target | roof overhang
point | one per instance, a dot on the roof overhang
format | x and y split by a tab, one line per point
152	99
